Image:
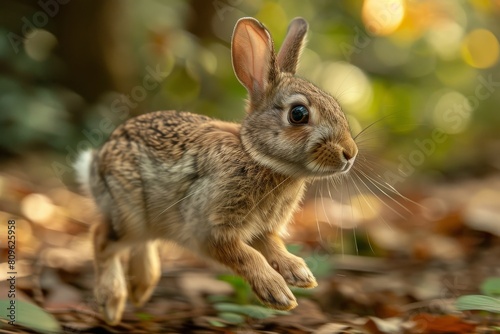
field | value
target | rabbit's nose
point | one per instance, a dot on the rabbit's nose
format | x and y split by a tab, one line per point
347	155
349	152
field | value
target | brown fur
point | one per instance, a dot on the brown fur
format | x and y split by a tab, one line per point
223	190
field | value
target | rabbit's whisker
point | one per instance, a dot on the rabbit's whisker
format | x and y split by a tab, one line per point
316	211
374	194
352	214
360	205
341	233
340	94
390	189
371	125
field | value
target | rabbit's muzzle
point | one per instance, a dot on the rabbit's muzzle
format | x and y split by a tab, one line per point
331	157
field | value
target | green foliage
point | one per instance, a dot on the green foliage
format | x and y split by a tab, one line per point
236	314
237	309
242	290
31	316
317	261
478	303
231	318
252	311
491	287
489	302
216	323
294	248
32	111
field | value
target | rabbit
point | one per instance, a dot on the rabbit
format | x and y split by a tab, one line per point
223	190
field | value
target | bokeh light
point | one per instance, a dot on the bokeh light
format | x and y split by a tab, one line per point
446	39
39	43
348	84
452	112
382	17
480	48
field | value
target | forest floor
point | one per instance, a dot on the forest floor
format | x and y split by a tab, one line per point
377	275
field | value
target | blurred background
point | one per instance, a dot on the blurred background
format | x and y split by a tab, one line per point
422	77
67	67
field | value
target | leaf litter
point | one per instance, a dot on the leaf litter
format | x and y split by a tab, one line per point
402	276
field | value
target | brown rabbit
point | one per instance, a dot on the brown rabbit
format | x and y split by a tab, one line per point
223	190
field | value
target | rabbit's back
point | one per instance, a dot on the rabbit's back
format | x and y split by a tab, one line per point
147	165
168	133
162	173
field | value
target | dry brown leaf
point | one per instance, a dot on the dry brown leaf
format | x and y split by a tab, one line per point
428	323
387	326
332	328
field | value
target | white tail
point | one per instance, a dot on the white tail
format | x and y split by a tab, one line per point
82	168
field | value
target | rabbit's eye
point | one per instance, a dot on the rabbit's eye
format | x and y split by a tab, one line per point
298	115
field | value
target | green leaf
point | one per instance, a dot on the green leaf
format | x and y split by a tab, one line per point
258	312
219	298
323	267
280	312
235	281
241	288
301	292
216	323
252	311
294	248
491	286
478	302
30	316
231	318
228	307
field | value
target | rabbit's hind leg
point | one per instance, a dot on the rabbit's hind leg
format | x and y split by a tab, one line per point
110	290
144	271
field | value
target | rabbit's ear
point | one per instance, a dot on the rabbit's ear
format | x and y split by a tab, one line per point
252	52
288	56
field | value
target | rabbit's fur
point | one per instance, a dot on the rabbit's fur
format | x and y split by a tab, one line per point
223	190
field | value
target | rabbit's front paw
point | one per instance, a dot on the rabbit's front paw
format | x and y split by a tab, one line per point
295	271
273	292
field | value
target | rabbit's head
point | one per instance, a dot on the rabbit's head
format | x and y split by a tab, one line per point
291	126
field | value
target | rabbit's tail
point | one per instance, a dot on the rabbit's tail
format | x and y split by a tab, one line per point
82	168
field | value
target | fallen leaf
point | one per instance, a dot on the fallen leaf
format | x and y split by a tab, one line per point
428	323
387	326
30	316
332	328
479	303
